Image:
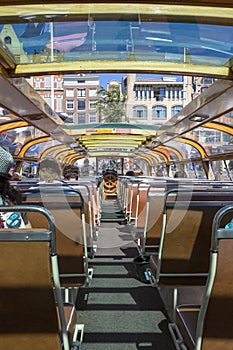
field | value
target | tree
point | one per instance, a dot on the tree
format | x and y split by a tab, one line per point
111	104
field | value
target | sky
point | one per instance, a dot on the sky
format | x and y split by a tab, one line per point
107	77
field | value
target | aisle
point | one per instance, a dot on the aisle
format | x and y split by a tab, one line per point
118	311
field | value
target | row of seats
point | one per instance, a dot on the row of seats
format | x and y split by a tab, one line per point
33	313
208	325
53	255
173	226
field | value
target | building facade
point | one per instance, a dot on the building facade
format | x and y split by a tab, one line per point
154	101
81	97
50	87
10	39
73	95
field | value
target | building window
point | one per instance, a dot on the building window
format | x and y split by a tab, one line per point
69	92
81	105
178	92
81	118
159	94
174	92
92	117
48	100
145	93
92	92
212	137
203	89
81	81
140	112
92	104
7	40
58	104
176	109
69	104
149	92
37	83
81	92
159	112
169	92
59	83
207	80
47	82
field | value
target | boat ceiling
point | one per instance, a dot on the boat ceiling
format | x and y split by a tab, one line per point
157	37
115	37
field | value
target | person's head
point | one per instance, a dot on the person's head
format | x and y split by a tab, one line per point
7	192
181	174
6	163
16	176
130	173
71	172
86	162
49	170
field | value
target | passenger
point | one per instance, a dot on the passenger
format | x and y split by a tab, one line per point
87	169
180	174
49	171
9	195
16	176
138	172
159	171
71	173
130	173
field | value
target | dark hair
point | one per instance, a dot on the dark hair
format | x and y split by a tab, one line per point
8	192
130	173
180	173
71	171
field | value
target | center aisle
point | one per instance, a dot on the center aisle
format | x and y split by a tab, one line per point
118	311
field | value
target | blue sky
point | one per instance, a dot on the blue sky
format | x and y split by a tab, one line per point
106	77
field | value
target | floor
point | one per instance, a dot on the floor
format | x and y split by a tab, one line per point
120	312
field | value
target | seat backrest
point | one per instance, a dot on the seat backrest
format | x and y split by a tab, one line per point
215	326
154	221
184	250
133	202
67	208
141	205
84	189
28	310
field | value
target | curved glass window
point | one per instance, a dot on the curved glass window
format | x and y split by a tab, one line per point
139	37
37	149
214	141
187	151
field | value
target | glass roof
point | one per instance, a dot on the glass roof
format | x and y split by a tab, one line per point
188	43
160	34
43	38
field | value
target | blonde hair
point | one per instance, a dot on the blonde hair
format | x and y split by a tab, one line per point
50	170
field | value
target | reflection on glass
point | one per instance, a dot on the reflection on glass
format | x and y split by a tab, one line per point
95	39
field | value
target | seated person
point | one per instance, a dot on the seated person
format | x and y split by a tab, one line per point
71	173
9	195
87	169
50	171
130	173
181	174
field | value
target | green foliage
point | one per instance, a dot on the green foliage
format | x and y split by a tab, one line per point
111	105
